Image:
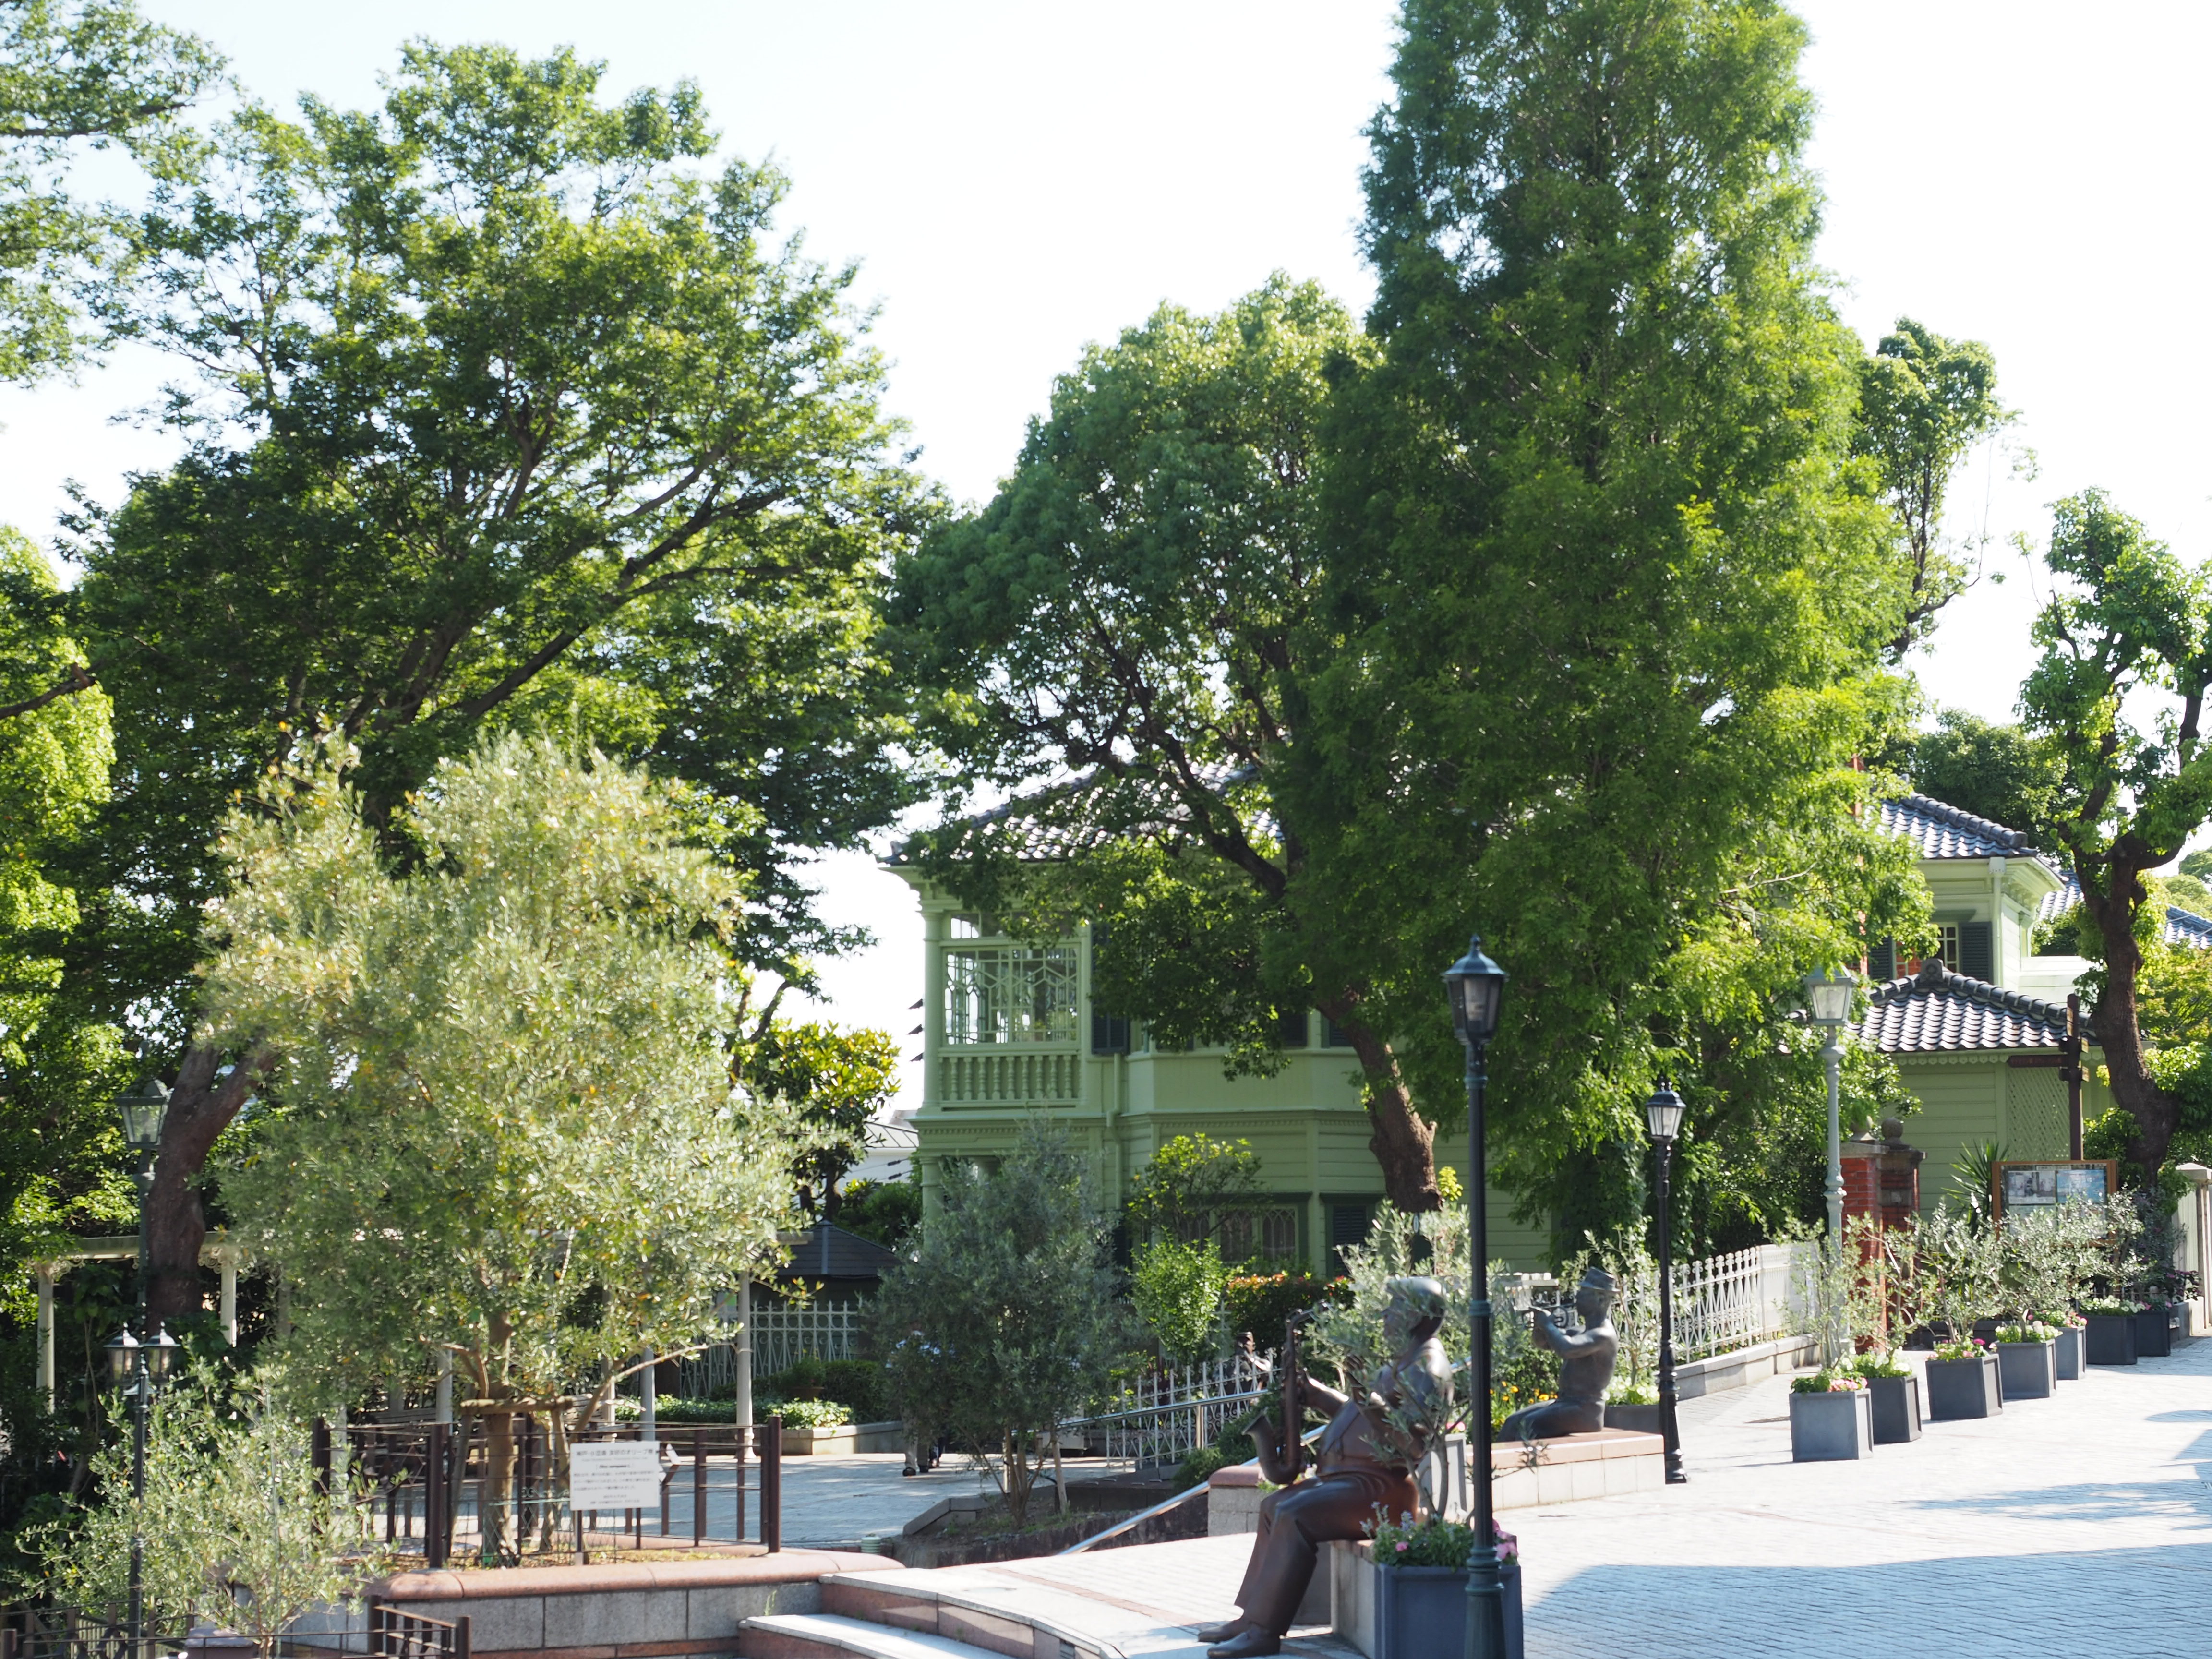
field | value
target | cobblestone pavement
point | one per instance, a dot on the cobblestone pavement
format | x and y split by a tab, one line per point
2079	1525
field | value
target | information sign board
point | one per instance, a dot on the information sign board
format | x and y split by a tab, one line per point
2045	1183
614	1475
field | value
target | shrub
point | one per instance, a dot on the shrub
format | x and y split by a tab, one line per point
1177	1291
1260	1303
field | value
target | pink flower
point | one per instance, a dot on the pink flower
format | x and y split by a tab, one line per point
1401	1543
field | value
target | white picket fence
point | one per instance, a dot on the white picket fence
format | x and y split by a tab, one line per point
781	1336
1167	1413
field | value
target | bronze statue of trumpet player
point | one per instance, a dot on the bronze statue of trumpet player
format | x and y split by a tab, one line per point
1365	1460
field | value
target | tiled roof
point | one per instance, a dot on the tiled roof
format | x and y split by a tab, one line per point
826	1251
1048	824
1937	1012
2182	926
1946	832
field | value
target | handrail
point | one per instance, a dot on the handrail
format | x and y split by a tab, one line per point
1166	1504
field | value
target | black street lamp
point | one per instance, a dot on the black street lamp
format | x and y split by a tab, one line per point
1663	1112
1476	983
136	1367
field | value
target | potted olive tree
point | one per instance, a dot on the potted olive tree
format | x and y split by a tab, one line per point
1958	1275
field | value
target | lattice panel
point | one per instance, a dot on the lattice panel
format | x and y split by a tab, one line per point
1010	993
2035	1112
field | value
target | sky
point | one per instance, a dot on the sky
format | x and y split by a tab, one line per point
1017	180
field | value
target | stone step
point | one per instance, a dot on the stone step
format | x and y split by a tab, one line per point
833	1636
977	1609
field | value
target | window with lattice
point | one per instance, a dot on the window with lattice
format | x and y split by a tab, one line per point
1010	993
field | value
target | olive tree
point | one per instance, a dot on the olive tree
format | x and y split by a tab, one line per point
503	1124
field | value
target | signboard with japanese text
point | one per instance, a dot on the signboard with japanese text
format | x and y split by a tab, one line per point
614	1475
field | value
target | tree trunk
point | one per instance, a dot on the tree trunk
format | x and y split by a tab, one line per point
2157	1114
1403	1144
201	1106
499	1489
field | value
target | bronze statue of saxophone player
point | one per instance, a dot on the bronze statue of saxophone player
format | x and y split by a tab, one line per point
1365	1460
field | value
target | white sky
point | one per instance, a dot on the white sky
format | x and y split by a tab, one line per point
1018	178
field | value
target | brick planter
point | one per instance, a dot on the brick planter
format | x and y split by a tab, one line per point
1964	1387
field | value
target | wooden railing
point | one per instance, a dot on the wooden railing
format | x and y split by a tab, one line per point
979	1076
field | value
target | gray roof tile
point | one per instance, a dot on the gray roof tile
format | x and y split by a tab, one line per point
1946	832
1937	1012
2182	926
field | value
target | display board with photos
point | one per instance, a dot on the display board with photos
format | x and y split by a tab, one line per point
2045	1183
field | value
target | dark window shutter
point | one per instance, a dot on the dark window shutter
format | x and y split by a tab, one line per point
1109	1034
1347	1225
1333	1036
1881	961
1291	1027
1976	958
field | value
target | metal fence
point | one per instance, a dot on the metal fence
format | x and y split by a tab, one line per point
394	1632
77	1633
1167	1413
426	1488
780	1338
1727	1302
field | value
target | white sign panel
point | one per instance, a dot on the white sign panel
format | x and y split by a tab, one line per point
614	1475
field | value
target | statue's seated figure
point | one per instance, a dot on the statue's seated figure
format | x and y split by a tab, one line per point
1363	1460
1586	1365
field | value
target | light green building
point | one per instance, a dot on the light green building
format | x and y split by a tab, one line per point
1008	1029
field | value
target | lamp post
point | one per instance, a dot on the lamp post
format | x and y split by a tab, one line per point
1663	1112
1829	998
1476	984
136	1367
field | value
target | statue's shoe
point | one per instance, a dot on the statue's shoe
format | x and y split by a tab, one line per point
1210	1634
1248	1644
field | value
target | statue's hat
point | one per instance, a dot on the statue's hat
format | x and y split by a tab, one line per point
1596	1277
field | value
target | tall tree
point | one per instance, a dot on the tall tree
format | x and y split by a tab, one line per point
93	74
1612	592
1997	771
2118	692
1136	606
502	1125
504	416
1924	402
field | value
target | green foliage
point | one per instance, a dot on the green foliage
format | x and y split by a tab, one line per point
1188	1184
1004	1322
61	1061
1404	1542
1197	1467
887	1211
1258	1303
858	1386
1613	600
1923	402
503	1123
2125	659
1996	771
78	75
1347	1334
836	1081
507	416
235	1531
1834	1296
1177	1291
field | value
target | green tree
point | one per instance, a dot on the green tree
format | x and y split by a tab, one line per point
1135	607
506	417
836	1081
1611	595
61	1063
1923	402
502	1124
1005	1323
1996	771
1177	1290
2118	692
237	1532
1188	1185
76	76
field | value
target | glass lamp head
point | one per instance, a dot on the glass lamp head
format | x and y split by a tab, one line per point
1829	995
1663	1112
122	1350
143	1108
160	1354
1476	984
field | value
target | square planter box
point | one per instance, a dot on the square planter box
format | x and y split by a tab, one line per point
1896	1409
1421	1613
1827	1427
1645	1420
1964	1387
2070	1358
2111	1340
2029	1370
2154	1335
